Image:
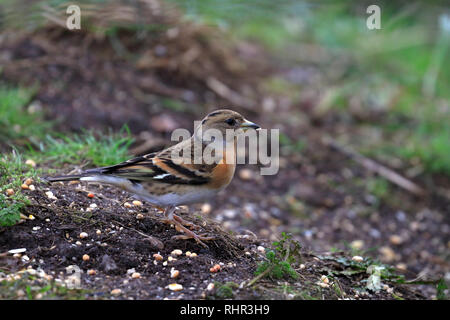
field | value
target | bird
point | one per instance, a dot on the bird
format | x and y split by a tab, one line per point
167	181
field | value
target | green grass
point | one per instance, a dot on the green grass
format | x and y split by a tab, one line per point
18	122
97	150
13	172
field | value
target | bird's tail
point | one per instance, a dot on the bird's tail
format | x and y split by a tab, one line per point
74	177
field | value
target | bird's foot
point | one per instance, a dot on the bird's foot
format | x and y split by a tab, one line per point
188	234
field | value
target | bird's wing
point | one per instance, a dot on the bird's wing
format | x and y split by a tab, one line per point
155	167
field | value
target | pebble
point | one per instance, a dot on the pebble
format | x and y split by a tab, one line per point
137	203
9	192
175	287
31	187
261	249
357	258
170	259
83	235
116	292
86	257
78	243
30	162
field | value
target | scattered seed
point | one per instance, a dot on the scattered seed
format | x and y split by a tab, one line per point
215	269
245	174
139	216
206	208
157	257
193	255
127	205
302	266
357	244
210	286
261	249
30	162
176	252
50	195
32	187
25	187
137	203
21	250
136	275
357	258
91	272
90	195
9	192
395	239
98	232
86	257
324	279
174	273
36	228
83	235
116	292
28	181
175	287
401	266
170	259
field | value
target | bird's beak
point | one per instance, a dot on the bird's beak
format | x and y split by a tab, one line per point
249	125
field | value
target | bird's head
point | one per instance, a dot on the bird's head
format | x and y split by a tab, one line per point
223	120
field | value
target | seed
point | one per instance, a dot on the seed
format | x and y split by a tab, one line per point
395	239
83	235
206	208
90	195
157	257
139	216
175	287
193	255
127	205
31	217
136	275
176	252
358	259
91	272
116	292
32	188
25	187
28	181
137	203
86	257
210	286
357	244
50	195
215	269
98	232
30	162
302	266
174	273
188	253
170	259
165	263
261	249
9	192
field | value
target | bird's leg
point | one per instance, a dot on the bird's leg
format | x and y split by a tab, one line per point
188	234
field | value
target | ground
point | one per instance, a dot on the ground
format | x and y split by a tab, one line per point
335	209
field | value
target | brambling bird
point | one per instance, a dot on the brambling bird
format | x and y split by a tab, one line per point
167	182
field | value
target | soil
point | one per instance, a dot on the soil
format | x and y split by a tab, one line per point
318	194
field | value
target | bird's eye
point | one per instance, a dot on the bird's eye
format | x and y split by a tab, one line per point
230	122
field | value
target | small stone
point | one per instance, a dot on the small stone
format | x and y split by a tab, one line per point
31	187
261	249
176	252
83	235
9	192
206	208
30	162
116	292
357	258
325	279
50	195
98	232
175	287
188	253
135	275
137	203
86	257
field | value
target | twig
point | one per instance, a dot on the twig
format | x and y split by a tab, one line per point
223	91
371	165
